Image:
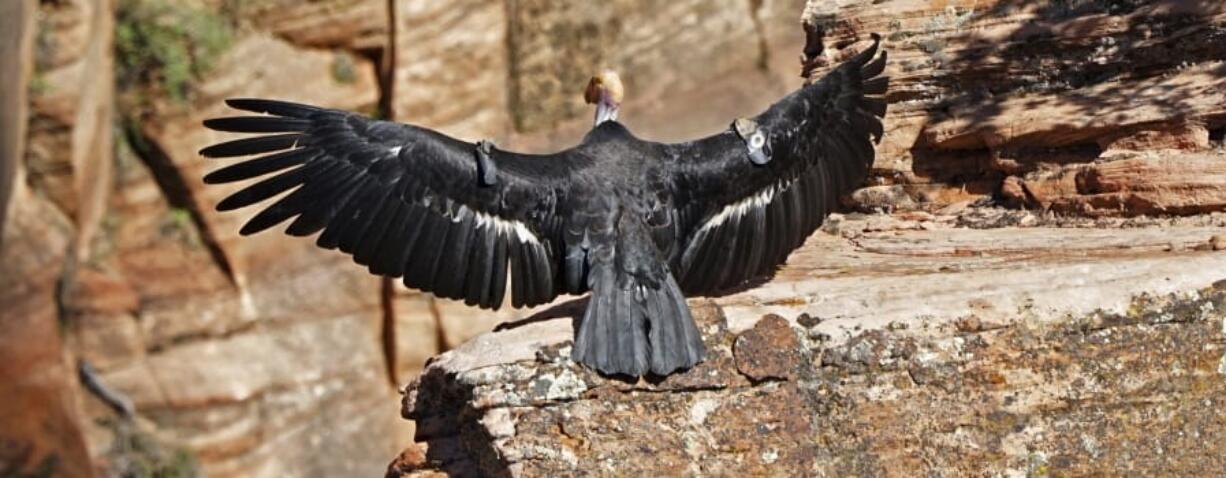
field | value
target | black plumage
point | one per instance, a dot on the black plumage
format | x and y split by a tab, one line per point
639	224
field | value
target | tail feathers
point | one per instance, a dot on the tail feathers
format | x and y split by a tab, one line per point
631	329
673	338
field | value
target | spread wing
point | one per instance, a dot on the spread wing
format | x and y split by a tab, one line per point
449	217
740	219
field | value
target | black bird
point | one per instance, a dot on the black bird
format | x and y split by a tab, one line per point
639	224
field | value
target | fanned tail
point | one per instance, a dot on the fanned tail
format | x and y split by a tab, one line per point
632	326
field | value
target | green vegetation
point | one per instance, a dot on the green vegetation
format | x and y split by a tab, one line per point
162	46
38	85
178	225
344	71
137	453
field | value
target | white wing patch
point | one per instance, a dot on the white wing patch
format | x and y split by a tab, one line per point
743	207
502	227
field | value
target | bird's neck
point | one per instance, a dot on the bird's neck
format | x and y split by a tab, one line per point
606	109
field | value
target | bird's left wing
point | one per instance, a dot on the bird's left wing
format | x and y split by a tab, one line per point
448	216
750	195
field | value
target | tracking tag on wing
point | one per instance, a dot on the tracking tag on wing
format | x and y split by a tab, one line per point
487	173
755	140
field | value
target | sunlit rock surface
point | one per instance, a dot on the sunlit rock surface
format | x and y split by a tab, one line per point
939	344
995	98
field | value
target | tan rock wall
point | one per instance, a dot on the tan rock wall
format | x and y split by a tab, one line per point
984	93
69	155
43	427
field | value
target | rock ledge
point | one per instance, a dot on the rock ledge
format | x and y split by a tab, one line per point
1060	350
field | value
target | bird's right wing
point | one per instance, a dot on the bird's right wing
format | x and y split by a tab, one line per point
450	217
750	195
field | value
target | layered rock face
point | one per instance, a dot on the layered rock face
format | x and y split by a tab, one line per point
264	356
1101	108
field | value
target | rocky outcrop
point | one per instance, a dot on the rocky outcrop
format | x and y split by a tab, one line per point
985	94
18	54
940	344
43	429
245	357
1153	184
71	128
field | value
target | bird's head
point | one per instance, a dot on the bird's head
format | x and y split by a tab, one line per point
605	91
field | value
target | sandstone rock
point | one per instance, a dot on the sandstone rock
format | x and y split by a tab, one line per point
70	139
451	67
42	430
17	54
496	59
331	24
1179	137
410	460
557	46
985	90
417	335
951	351
883	198
42	426
1170	183
213	340
767	351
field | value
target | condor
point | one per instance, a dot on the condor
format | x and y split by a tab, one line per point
639	224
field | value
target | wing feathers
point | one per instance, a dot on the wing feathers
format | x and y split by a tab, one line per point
827	149
456	258
259	166
257	124
264	189
315	218
870	124
249	146
368	243
519	280
875	106
875	86
364	192
274	107
430	243
389	255
497	286
397	197
480	267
